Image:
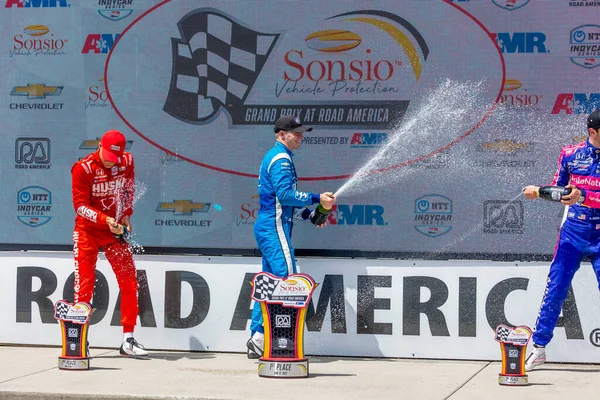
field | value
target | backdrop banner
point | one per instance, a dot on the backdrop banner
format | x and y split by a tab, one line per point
429	99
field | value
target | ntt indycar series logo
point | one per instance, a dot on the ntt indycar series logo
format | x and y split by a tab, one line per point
585	46
34	204
217	61
433	215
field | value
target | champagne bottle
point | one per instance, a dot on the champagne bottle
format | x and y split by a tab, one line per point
553	193
125	235
319	215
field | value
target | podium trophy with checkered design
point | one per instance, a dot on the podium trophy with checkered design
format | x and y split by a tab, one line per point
513	342
74	321
283	303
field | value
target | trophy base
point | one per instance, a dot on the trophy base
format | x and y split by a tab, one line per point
280	368
513	380
77	364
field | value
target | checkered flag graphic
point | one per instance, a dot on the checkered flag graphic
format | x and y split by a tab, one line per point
60	309
502	332
264	285
215	64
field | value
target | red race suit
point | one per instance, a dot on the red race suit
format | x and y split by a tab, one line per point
98	193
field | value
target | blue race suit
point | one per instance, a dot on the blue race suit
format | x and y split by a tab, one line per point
579	234
279	203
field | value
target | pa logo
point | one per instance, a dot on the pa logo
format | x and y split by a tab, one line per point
283	321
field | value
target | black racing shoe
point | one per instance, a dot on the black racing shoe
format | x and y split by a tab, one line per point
252	355
131	347
254	348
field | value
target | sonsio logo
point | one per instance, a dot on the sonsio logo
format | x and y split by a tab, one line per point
521	42
33	206
37	3
36	91
433	215
97	96
92	144
99	43
576	103
32	153
368	140
503	217
248	212
515	98
36	40
510	5
585	46
357	214
349	63
183	208
330	63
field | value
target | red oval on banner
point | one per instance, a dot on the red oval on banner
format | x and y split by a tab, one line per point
386	69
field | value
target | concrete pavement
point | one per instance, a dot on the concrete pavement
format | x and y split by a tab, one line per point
31	373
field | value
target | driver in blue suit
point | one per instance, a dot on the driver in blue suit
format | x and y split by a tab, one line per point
280	203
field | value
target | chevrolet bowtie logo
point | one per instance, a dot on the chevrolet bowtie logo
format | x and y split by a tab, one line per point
505	146
183	207
36	91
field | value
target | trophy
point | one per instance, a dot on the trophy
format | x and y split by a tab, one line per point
513	342
283	303
74	322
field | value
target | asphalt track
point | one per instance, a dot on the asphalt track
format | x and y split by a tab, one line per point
31	373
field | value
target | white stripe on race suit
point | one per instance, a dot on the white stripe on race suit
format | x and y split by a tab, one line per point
285	246
278	157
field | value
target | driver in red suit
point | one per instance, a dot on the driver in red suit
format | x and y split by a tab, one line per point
103	190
